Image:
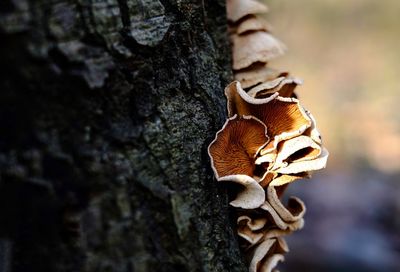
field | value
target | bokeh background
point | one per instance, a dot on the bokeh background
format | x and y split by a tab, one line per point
347	53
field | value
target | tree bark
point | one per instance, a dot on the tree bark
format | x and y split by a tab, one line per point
106	111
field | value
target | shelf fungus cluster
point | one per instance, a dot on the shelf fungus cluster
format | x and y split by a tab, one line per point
269	140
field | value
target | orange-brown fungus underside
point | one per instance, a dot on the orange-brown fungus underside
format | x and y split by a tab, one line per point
236	145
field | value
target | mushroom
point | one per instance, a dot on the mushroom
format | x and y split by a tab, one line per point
284	117
253	23
257	73
262	232
289	155
252	224
281	245
251	196
247	228
233	154
250	236
291	159
269	225
306	165
239	102
276	219
236	145
269	86
297	166
276	232
313	131
280	179
296	208
296	149
255	47
281	223
300	148
283	85
269	140
259	254
237	9
264	258
271	262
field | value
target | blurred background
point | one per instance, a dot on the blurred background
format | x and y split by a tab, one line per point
347	53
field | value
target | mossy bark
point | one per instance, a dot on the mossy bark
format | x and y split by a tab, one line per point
106	110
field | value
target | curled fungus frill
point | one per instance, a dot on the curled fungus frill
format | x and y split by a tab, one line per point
269	140
263	230
238	9
266	141
253	45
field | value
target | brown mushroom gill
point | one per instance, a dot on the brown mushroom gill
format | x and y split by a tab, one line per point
280	115
268	142
234	149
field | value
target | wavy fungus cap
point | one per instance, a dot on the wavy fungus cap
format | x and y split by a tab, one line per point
259	254
249	228
233	154
294	146
255	47
257	73
251	196
301	148
253	23
292	160
263	231
285	86
236	145
237	9
285	118
266	142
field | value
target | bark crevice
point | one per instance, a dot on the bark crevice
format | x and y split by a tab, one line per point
106	112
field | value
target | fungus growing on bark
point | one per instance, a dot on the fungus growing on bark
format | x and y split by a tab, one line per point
234	150
313	131
283	85
280	179
293	159
248	228
233	154
259	254
237	9
253	23
300	166
284	117
255	47
266	143
282	246
269	140
295	210
271	262
257	73
301	148
266	132
252	194
263	239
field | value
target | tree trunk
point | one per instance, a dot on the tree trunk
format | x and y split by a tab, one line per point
106	111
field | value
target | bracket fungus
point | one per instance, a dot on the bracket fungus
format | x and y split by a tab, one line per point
256	74
284	85
262	235
256	46
253	23
269	140
265	144
237	9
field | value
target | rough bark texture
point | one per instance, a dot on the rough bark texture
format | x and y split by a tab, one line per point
106	110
